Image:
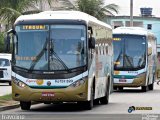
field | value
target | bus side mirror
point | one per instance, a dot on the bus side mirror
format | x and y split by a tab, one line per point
7	40
92	42
149	49
7	43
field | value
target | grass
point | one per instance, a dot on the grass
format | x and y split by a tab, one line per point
7	100
6	97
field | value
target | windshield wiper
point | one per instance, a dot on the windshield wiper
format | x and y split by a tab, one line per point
127	58
141	61
52	52
39	55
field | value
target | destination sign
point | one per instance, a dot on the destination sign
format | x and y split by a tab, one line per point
34	27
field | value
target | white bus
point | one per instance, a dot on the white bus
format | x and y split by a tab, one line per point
134	58
5	68
45	68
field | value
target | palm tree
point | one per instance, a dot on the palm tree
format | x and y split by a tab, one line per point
97	8
11	9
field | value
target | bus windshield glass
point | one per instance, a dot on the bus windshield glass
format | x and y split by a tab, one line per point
69	44
129	52
54	47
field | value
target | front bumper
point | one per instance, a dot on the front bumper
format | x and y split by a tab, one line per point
69	94
136	82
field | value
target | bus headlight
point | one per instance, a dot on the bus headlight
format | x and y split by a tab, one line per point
21	84
18	82
78	83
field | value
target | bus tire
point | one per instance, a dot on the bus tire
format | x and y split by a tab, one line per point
25	105
96	102
151	86
105	99
88	105
115	88
120	88
144	88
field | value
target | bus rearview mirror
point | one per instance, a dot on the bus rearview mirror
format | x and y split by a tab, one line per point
92	42
7	40
7	43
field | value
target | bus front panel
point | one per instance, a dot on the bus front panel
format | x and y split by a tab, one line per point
130	60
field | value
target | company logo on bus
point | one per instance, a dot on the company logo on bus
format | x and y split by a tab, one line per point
39	82
49	83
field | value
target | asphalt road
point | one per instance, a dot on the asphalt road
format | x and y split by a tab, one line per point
5	89
117	109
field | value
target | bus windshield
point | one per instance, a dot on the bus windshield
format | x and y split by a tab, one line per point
54	47
129	52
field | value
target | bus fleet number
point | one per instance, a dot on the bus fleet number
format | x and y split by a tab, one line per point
63	81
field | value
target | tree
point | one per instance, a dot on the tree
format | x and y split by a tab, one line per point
96	8
1	42
11	9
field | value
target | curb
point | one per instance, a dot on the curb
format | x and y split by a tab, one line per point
9	107
3	108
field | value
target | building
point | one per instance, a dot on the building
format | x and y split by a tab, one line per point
150	23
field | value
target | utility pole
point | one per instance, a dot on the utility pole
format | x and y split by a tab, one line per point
131	13
41	5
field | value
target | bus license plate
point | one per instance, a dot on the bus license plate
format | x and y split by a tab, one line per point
47	94
122	80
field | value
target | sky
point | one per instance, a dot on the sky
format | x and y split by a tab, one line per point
124	6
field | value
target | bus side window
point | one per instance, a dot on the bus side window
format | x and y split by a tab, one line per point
106	49
90	33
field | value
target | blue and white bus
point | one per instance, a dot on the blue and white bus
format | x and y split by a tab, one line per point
134	58
45	69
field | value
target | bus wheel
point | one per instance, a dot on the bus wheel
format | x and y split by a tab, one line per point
144	88
88	105
120	88
96	102
115	88
25	105
105	99
151	86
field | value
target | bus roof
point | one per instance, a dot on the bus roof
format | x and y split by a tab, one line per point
132	31
5	55
65	15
